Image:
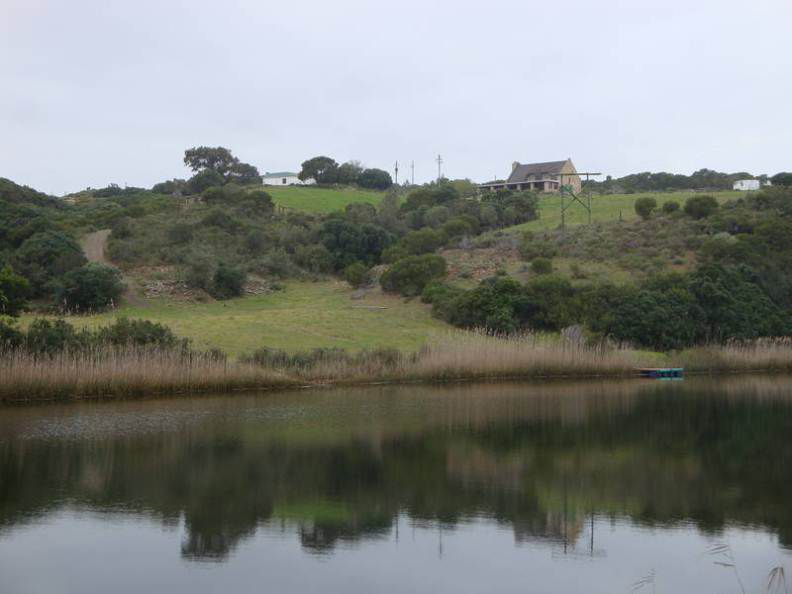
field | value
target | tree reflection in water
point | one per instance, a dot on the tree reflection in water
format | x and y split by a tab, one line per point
342	466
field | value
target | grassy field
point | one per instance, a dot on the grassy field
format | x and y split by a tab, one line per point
303	316
604	208
321	200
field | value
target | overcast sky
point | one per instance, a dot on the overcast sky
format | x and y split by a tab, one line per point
95	92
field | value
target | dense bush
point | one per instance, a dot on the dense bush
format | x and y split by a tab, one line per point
228	281
14	292
46	256
670	206
356	274
542	266
92	287
349	242
644	206
700	207
410	275
375	179
49	337
423	241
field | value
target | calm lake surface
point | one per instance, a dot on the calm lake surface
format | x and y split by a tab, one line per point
595	487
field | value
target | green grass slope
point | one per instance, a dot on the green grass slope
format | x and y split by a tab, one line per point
321	200
609	207
303	316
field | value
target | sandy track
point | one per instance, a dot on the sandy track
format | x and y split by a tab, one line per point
94	244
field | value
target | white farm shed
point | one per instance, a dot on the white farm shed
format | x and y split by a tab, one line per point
747	184
284	178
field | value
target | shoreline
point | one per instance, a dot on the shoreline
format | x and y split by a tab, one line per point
237	378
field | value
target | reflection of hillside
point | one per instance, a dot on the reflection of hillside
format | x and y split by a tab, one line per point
340	467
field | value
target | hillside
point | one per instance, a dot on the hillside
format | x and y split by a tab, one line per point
300	316
605	208
321	200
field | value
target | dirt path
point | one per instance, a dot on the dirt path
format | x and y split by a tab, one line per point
94	244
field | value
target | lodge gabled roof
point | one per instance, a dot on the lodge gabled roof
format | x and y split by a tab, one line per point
523	170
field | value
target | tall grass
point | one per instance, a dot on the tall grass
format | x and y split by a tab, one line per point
125	372
764	354
107	372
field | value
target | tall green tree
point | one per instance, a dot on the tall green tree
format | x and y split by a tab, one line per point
323	170
216	158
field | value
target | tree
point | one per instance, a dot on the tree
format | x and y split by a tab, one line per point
409	276
14	292
45	256
90	288
349	172
203	180
700	207
216	159
782	179
243	173
644	206
323	170
375	179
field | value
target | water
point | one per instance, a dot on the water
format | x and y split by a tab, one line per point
593	487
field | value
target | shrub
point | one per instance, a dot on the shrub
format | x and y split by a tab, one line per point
10	337
203	180
90	288
670	207
437	215
44	337
394	253
410	275
213	195
197	271
314	258
255	240
259	201
126	332
459	226
356	274
14	292
180	233
228	281
542	266
221	220
644	206
700	207
423	241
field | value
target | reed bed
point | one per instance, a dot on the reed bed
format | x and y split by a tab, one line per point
131	372
764	354
467	355
125	372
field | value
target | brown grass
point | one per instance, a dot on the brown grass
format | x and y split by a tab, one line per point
125	373
455	356
765	354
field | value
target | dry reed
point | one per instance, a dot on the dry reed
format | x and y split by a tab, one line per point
124	373
764	354
108	373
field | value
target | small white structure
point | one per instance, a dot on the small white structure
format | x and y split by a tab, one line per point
284	178
746	185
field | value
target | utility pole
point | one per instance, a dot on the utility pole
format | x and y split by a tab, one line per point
439	167
412	173
396	173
